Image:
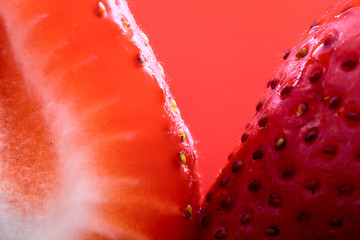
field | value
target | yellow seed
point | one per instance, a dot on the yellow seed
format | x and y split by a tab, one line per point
302	52
125	23
182	158
145	37
182	135
174	106
162	70
280	142
100	9
188	212
326	98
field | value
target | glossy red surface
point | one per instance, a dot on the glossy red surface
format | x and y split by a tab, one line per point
218	57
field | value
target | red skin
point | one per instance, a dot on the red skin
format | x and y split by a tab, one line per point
285	172
90	140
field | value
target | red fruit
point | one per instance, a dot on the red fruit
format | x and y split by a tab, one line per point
295	172
92	143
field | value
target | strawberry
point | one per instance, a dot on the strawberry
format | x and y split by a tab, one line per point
92	142
295	172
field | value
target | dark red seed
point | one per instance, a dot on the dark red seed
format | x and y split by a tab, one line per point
224	181
222	233
269	83
303	108
226	203
357	155
336	221
206	220
315	77
329	41
303	217
247	125
274	83
245	136
259	105
311	135
263	120
258	153
287	53
314	24
254	187
280	143
237	166
350	63
334	102
275	200
313	185
330	150
346	189
288	173
286	90
353	116
210	195
246	218
271	231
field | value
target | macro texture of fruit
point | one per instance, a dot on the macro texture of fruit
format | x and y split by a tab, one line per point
92	142
295	173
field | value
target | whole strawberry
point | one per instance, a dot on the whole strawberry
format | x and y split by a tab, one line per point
295	173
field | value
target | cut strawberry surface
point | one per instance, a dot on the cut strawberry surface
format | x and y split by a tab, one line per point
295	171
92	142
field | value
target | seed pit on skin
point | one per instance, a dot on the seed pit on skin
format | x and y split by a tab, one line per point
353	116
303	108
330	150
245	136
254	187
275	200
237	166
334	102
329	41
206	220
210	195
280	143
302	52
259	105
246	218
346	189
222	233
311	135
224	181
314	24
286	90
287	53
336	222
271	232
357	155
258	153
263	120
226	204
303	217
316	75
313	185
230	156
350	63
274	83
288	173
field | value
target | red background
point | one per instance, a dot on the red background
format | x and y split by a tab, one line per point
218	56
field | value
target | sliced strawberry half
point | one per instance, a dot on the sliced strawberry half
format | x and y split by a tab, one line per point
92	142
295	171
